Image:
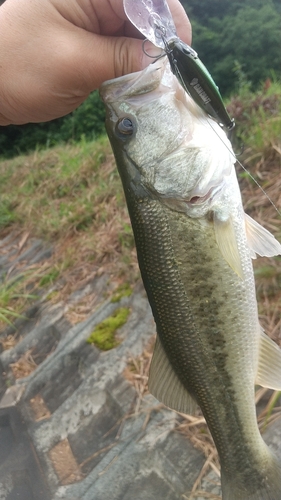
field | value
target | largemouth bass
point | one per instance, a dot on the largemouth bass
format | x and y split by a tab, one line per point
195	247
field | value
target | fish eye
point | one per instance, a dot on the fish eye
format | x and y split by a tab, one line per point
125	126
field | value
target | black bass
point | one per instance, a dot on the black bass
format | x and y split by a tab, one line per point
195	247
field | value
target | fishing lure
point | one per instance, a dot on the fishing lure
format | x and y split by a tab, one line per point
197	81
154	20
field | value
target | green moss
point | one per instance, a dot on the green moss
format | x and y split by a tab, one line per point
123	290
104	334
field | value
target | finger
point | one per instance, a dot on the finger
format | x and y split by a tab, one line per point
101	58
181	21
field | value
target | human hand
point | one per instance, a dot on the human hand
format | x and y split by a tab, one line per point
53	53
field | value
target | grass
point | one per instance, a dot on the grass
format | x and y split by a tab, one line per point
258	118
70	196
7	215
13	299
61	191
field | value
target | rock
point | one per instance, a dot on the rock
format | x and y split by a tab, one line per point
70	429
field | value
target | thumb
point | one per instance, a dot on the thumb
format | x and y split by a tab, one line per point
111	57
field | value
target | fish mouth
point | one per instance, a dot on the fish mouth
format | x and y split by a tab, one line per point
134	84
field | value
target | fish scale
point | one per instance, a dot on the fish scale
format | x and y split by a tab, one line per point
195	259
171	296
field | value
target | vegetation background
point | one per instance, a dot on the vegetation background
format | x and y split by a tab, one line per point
59	184
238	41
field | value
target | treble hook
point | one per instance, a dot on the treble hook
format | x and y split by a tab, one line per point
162	54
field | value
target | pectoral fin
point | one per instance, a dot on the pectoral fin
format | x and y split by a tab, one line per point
269	368
260	240
226	240
164	384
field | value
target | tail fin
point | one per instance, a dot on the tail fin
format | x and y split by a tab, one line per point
263	485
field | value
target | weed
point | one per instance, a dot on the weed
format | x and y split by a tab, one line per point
11	292
49	277
258	119
7	214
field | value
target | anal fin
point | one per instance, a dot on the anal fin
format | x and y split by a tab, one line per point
164	384
269	367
